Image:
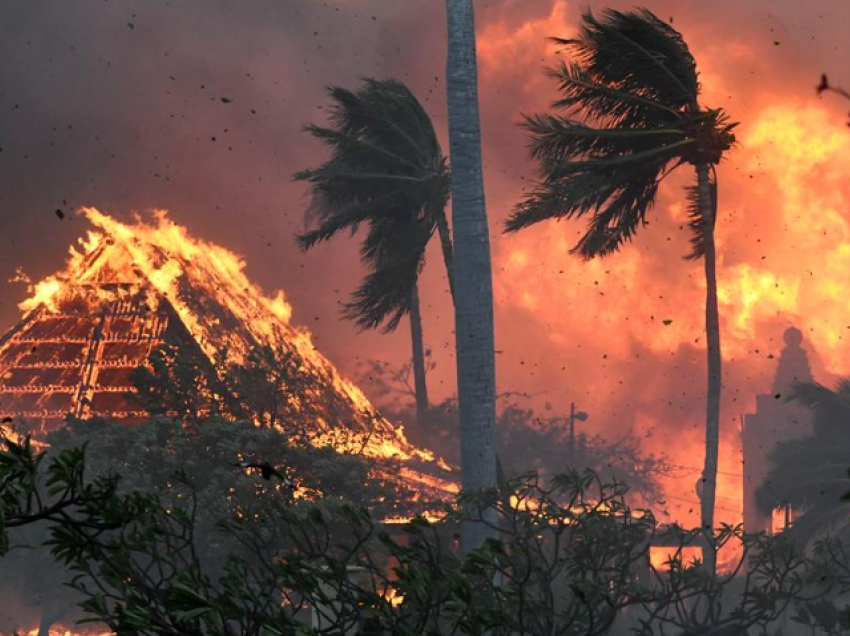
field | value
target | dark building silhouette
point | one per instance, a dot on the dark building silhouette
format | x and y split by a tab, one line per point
775	420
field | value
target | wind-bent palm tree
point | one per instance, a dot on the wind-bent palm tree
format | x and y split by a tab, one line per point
810	473
387	171
630	116
474	335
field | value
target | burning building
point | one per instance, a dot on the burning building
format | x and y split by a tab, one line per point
775	420
128	291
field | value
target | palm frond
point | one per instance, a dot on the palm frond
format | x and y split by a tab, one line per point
386	112
813	395
842	389
564	198
387	171
638	54
810	473
700	226
617	224
338	216
385	294
629	117
357	146
610	105
559	140
617	190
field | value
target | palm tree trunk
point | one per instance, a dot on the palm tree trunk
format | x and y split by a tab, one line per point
476	367
44	628
708	211
47	619
419	383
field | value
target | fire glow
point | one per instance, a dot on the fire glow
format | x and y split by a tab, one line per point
661	558
63	631
784	250
593	332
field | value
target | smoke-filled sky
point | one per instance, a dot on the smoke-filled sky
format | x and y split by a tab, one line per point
197	107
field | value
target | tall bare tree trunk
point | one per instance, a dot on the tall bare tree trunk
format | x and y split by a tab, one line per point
419	382
44	628
476	367
48	617
708	210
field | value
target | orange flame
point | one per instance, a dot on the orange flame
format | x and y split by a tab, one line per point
660	557
64	631
166	256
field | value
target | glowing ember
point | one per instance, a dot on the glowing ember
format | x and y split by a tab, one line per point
394	597
430	516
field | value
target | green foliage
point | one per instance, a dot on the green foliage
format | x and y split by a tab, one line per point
147	457
810	473
170	536
824	616
570	558
34	489
765	578
153	462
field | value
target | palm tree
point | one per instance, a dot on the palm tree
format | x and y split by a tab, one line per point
810	473
387	171
474	335
630	114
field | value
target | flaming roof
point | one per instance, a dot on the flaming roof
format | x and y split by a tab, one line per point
129	289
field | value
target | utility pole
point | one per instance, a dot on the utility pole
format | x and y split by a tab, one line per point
572	426
581	416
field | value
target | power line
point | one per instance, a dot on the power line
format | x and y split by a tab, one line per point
698	470
697	503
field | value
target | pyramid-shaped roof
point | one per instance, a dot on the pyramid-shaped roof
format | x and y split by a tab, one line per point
128	290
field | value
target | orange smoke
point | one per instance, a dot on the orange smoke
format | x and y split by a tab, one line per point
800	151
